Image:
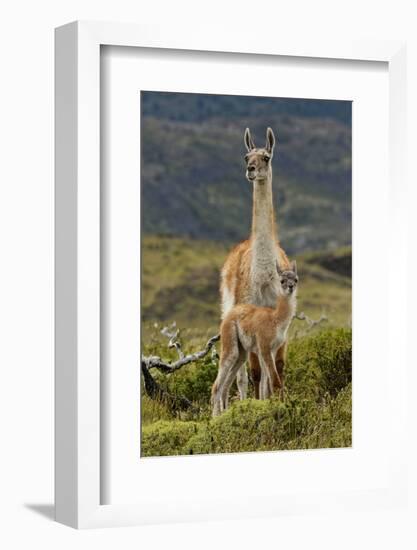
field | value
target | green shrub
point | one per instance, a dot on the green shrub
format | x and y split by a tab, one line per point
332	427
250	425
164	438
319	364
253	425
315	413
153	410
333	353
194	381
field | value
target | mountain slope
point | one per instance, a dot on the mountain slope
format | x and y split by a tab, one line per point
193	182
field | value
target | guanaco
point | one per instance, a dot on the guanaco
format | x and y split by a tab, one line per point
249	275
255	329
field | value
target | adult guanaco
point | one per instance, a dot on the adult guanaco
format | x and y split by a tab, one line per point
249	274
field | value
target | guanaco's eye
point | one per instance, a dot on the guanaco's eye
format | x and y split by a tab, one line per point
246	158
266	159
296	279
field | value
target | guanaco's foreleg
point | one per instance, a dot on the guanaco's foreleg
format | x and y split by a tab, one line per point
280	358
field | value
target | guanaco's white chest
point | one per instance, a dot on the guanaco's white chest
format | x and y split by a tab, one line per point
264	279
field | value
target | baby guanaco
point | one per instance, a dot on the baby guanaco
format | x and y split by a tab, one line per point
261	330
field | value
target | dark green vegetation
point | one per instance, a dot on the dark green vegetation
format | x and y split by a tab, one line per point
315	412
193	182
180	282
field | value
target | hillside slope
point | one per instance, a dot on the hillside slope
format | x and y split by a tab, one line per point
180	282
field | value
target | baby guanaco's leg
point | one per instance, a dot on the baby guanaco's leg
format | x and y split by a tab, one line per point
264	391
229	356
279	365
242	382
231	375
280	362
268	364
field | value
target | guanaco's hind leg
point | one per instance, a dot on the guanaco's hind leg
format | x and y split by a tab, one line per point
231	376
231	359
218	400
255	370
228	368
242	382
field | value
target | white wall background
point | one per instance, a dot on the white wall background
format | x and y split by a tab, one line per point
26	268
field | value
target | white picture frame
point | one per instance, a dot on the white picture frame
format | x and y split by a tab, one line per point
78	449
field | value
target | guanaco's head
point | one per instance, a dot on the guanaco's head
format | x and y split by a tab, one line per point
258	161
288	279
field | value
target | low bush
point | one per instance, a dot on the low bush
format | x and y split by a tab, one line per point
194	381
253	425
164	438
153	410
315	412
319	364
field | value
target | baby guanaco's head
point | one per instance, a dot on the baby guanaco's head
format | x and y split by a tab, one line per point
288	279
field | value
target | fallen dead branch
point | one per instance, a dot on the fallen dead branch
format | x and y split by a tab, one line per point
151	386
155	362
154	391
311	322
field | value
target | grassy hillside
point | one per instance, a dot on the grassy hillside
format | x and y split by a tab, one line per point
180	282
315	411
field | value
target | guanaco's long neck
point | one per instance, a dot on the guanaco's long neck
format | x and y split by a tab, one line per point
263	218
285	309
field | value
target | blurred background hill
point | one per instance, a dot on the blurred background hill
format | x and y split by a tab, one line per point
193	182
180	282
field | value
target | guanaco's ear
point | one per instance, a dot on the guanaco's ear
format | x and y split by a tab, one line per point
270	140
248	140
294	266
278	269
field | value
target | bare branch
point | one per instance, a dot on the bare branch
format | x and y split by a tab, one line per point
157	363
154	390
311	322
174	341
151	386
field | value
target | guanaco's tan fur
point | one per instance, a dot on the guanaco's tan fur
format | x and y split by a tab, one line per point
249	273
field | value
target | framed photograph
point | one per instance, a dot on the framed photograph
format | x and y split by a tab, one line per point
226	321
